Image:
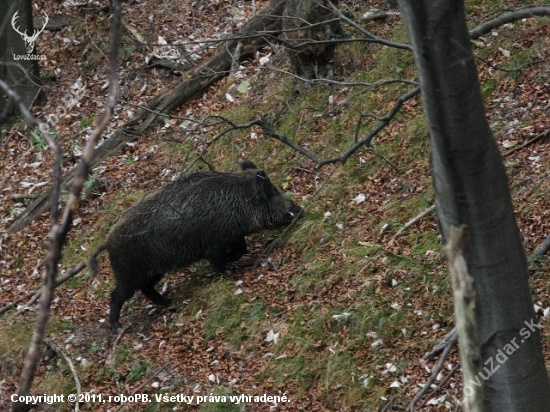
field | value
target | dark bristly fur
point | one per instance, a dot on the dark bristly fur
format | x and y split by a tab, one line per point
204	216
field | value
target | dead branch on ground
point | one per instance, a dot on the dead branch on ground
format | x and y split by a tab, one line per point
62	353
140	387
34	296
433	377
410	223
510	17
440	386
527	143
449	340
543	248
18	300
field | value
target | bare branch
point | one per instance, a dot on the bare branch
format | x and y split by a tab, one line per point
441	384
36	294
449	340
111	358
375	39
432	379
543	248
383	122
15	302
140	387
59	230
490	25
283	139
344	84
410	223
62	353
365	141
31	120
527	143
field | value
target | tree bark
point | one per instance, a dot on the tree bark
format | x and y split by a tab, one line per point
311	56
21	75
472	189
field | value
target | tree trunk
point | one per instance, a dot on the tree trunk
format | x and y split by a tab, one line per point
472	189
309	59
27	85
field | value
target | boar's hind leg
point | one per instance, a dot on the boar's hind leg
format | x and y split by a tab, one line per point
118	297
155	297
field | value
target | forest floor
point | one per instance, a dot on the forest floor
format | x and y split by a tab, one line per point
336	316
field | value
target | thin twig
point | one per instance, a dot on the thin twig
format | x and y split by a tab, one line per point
15	302
111	357
411	222
140	387
383	122
361	29
27	305
365	141
60	227
31	120
331	82
283	139
36	294
527	143
62	353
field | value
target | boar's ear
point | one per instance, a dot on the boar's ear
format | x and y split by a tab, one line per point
247	164
263	185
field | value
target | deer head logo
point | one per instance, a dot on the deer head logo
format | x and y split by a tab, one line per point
29	40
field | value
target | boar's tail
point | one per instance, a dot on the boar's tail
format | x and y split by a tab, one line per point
93	259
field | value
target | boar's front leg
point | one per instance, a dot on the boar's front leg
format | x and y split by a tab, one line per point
228	252
236	250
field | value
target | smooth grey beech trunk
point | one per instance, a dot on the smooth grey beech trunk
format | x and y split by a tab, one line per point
26	85
471	188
